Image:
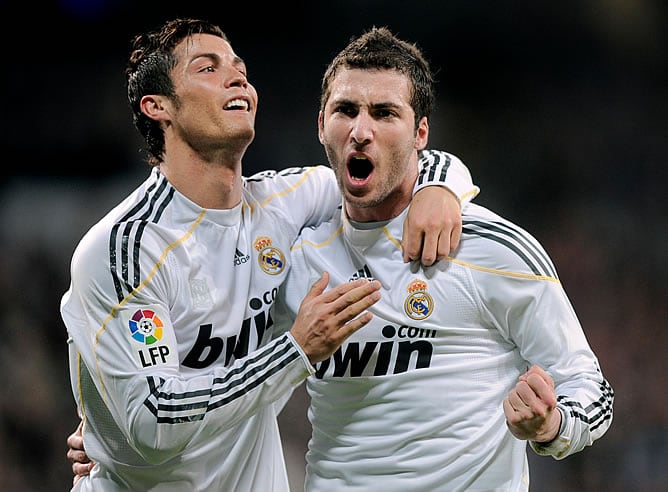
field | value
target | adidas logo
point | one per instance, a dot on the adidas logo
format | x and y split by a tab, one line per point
363	272
240	258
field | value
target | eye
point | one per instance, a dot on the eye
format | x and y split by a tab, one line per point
346	109
383	113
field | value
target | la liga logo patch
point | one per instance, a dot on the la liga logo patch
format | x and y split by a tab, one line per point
145	326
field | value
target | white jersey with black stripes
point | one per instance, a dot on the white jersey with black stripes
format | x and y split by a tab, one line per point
168	314
413	401
169	321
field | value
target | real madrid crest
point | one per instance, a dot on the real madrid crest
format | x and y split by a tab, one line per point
419	304
271	259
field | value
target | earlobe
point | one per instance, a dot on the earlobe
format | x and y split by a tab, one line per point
422	134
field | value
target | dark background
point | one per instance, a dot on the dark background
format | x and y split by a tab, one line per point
558	109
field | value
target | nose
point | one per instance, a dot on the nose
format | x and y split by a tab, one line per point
362	129
237	79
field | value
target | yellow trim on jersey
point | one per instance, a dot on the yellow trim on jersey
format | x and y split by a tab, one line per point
466	264
318	245
502	272
81	399
290	189
471	193
391	238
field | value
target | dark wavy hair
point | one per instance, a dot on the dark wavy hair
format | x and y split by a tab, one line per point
379	48
149	71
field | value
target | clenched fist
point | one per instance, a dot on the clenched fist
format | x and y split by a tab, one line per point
531	407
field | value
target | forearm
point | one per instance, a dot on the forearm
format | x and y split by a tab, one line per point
163	413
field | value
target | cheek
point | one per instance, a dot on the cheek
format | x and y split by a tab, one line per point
333	133
253	94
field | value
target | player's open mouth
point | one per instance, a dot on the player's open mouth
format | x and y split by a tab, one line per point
237	104
359	169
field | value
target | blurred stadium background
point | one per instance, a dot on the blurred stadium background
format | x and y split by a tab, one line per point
558	108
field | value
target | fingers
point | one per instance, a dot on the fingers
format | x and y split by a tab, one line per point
434	242
539	371
543	392
347	301
521	402
530	407
432	246
75	441
411	242
511	416
350	292
81	470
81	463
327	318
447	245
349	309
77	456
430	251
541	385
433	225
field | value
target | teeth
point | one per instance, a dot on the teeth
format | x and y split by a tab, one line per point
237	103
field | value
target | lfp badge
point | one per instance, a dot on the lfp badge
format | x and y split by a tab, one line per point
148	331
145	326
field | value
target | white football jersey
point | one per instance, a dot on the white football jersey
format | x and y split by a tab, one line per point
413	400
169	318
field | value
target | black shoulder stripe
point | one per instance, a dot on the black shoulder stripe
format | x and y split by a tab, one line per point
534	257
157	213
145	208
431	164
112	242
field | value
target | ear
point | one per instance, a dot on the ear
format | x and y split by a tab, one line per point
154	107
422	134
320	124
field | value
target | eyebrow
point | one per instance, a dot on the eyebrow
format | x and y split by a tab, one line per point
386	105
378	105
216	57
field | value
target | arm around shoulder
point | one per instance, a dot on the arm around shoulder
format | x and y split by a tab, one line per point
438	167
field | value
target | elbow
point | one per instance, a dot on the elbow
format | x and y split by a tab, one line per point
156	442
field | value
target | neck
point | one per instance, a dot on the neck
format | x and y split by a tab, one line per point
213	184
386	208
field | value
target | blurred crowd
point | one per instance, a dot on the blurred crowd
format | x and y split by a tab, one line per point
558	109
